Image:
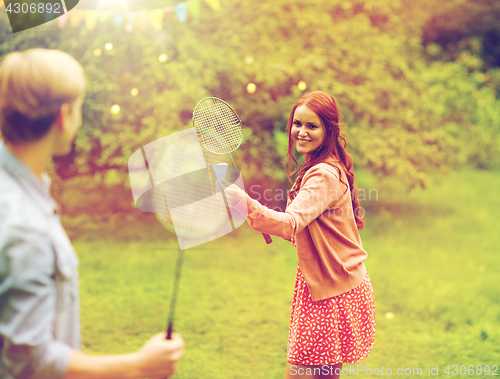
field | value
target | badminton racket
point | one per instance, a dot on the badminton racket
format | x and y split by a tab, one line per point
171	314
219	130
171	178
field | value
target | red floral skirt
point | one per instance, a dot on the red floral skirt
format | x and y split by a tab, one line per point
340	329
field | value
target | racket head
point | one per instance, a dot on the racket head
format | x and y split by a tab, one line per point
181	167
217	126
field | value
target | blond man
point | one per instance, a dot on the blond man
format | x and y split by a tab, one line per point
41	96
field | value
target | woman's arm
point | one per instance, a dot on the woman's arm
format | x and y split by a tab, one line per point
320	190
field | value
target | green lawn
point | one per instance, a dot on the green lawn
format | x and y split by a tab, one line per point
433	261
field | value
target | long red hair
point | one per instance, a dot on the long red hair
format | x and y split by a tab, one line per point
334	144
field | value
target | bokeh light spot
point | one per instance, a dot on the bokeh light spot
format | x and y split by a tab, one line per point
134	92
115	109
251	88
302	85
109	46
97	52
163	58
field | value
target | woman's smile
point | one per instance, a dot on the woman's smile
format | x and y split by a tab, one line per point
303	141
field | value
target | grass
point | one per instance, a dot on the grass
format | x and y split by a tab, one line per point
433	261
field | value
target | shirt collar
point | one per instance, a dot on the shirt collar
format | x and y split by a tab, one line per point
37	188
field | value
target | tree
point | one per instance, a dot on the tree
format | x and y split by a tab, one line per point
405	114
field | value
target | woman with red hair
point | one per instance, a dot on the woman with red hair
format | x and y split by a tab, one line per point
333	309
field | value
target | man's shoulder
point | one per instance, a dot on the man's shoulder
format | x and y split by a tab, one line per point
17	209
11	197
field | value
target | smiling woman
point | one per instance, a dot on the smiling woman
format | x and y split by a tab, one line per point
307	131
333	309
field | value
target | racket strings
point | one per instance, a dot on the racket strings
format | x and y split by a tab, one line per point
217	126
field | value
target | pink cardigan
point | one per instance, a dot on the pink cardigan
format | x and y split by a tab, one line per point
321	222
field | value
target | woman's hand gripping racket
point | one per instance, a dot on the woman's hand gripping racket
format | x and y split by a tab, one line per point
219	130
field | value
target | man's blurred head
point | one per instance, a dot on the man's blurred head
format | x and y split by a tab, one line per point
39	88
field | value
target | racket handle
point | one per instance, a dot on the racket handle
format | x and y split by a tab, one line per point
267	237
169	330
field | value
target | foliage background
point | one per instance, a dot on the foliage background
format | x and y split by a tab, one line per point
418	84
